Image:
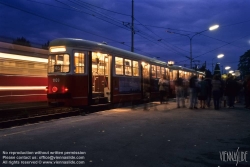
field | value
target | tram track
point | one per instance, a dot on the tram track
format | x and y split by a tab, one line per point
18	117
25	115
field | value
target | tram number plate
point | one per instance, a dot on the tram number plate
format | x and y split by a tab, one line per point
56	80
57	68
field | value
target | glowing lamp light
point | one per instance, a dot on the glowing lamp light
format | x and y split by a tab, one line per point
231	71
66	89
170	63
5	88
54	89
227	68
220	56
57	49
213	27
20	57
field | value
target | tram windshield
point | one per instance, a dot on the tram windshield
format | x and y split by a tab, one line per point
58	63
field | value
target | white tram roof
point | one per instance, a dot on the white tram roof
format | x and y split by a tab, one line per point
176	67
96	46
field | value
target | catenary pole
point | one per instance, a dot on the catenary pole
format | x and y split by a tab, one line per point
132	28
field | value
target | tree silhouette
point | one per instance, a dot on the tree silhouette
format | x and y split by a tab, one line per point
244	63
21	41
45	45
203	68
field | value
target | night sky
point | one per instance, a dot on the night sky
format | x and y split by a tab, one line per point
109	21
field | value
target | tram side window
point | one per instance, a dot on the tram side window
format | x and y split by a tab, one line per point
167	73
162	71
153	71
23	67
181	74
158	71
118	66
79	62
175	74
135	68
128	69
58	63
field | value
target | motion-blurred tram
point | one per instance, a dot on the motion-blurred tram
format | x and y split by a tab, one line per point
23	74
85	73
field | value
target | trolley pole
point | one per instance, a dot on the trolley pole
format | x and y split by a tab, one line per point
132	28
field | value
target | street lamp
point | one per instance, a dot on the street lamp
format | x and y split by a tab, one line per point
191	37
227	68
219	56
213	27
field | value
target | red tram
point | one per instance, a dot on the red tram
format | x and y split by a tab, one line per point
23	74
84	73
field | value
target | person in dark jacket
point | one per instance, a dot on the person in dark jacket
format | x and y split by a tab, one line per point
246	89
222	93
209	90
216	91
230	90
202	94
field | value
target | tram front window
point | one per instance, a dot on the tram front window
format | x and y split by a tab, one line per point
58	63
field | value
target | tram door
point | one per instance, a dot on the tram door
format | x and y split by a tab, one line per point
145	80
101	78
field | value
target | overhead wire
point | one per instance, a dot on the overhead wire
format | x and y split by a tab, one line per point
53	20
222	45
140	33
160	39
79	10
107	9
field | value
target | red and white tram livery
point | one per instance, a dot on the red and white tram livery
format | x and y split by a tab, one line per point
85	73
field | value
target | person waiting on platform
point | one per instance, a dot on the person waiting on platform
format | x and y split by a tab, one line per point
203	92
193	82
179	92
216	91
231	90
162	87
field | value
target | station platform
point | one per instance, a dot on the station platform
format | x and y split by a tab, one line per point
161	135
